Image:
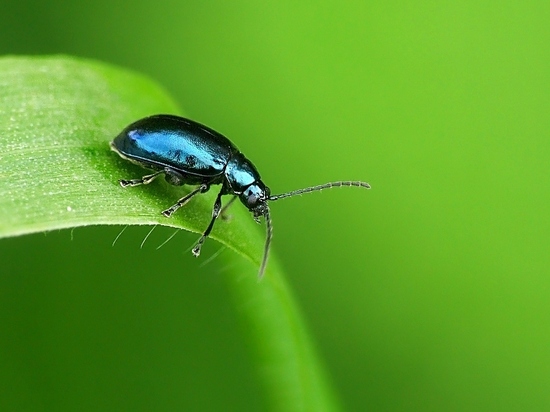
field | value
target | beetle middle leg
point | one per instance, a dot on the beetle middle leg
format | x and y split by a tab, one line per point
215	213
223	212
201	189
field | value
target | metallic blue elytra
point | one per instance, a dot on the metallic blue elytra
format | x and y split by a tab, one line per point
187	152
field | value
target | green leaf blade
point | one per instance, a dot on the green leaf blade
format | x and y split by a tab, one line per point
57	117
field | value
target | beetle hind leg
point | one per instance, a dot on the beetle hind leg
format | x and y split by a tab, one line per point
171	176
145	180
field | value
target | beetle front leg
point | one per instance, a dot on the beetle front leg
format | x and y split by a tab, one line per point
215	213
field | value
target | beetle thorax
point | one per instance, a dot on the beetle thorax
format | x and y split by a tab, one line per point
245	182
240	173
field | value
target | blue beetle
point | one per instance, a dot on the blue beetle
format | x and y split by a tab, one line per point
187	152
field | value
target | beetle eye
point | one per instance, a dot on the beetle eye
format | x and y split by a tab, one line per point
252	200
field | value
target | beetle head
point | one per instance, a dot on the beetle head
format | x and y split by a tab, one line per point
255	197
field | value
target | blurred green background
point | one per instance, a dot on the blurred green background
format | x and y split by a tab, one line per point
430	292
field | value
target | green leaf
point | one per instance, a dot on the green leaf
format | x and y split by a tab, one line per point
57	116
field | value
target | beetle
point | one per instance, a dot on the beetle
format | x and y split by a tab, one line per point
189	153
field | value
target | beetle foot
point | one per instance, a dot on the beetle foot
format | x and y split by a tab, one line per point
125	183
197	249
168	212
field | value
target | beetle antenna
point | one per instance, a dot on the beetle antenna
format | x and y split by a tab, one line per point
321	187
267	242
